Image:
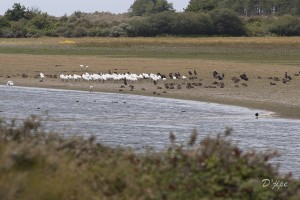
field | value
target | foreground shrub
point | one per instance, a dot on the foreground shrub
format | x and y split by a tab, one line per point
39	165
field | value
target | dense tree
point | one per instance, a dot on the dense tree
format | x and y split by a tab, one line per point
19	12
16	13
248	7
141	7
202	5
206	17
227	22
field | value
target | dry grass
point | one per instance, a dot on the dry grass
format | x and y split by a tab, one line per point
156	41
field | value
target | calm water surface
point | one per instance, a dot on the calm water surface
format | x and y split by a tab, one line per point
139	122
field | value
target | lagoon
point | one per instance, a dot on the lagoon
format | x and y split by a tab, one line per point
139	122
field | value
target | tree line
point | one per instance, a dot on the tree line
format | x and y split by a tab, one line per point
248	7
241	7
150	18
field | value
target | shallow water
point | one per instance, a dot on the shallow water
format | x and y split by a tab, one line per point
139	122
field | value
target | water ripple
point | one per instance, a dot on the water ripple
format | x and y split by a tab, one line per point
139	122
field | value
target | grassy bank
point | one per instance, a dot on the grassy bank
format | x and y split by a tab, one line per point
250	50
36	165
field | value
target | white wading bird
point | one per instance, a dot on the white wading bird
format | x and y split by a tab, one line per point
10	83
42	77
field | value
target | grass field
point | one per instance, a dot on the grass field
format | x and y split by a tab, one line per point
273	50
258	57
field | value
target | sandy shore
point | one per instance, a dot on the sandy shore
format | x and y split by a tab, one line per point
283	99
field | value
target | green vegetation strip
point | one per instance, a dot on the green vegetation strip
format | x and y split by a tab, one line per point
232	52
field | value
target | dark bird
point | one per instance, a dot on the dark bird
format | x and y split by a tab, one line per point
215	73
163	76
244	76
195	73
177	75
190	73
125	81
220	76
284	80
286	76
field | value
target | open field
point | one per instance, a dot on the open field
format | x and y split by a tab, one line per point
271	50
258	57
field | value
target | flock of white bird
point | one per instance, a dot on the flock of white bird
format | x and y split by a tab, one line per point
105	77
114	76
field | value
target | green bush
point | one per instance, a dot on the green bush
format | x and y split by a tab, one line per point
227	22
286	25
4	23
40	21
171	23
259	26
191	23
39	165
